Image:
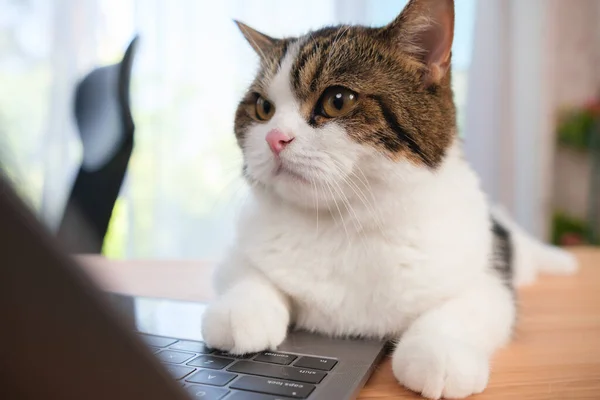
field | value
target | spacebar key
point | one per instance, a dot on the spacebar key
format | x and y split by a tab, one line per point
273	386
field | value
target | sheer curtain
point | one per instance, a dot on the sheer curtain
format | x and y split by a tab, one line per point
183	188
529	59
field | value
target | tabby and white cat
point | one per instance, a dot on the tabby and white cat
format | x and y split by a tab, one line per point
365	218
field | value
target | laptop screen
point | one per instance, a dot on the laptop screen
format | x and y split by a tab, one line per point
59	338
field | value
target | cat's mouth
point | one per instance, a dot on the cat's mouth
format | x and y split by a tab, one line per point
286	172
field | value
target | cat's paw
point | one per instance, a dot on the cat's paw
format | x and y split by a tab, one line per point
244	325
440	367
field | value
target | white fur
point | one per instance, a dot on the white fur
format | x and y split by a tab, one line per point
364	245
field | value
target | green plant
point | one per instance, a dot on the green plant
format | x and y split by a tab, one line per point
568	230
576	125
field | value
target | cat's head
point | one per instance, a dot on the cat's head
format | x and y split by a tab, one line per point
337	107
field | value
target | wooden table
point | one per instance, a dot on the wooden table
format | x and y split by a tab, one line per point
555	353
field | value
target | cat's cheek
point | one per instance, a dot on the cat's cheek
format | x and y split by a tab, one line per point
258	158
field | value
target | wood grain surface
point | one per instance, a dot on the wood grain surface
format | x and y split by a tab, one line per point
555	353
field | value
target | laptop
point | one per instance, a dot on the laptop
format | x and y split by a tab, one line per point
62	338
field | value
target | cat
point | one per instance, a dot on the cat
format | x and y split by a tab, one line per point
364	217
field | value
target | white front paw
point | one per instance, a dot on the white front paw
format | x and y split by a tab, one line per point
440	367
245	325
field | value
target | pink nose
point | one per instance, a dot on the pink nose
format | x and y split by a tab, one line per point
277	140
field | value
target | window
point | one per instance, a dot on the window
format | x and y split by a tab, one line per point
183	187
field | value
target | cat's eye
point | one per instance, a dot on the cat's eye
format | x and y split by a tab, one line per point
264	109
337	101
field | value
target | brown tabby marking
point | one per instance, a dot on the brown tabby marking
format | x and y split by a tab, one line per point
269	66
396	113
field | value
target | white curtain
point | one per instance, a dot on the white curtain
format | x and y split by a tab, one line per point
529	59
182	186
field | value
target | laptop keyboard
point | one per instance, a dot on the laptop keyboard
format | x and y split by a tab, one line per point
209	374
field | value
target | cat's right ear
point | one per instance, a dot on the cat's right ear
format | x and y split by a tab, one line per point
261	43
425	29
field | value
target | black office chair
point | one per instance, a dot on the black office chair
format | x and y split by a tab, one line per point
106	128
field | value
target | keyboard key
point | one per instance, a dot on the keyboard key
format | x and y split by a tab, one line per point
196	347
157	341
214	378
174	357
324	364
276	371
179	371
206	392
273	386
154	350
211	362
238	356
275	358
254	396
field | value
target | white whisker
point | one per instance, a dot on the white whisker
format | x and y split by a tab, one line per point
370	206
316	199
338	208
348	206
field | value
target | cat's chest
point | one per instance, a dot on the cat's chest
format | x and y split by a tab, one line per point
339	282
311	256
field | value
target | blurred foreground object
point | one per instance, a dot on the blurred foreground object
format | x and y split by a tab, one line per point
63	339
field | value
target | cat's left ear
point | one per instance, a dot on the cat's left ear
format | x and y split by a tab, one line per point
425	29
261	43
